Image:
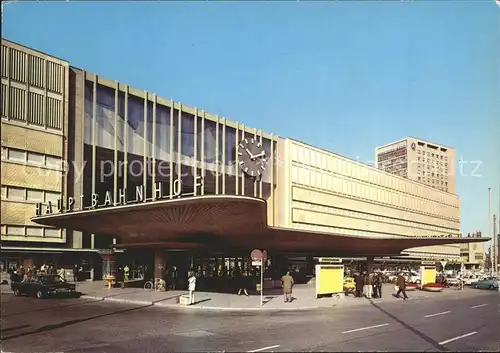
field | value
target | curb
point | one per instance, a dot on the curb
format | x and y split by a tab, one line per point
118	300
208	308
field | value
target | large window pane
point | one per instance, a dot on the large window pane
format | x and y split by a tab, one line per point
34	231
52	233
187	135
14	193
120	128
269	164
210	140
175	121
135	125
199	146
15	230
17	155
52	197
105	117
89	96
162	132
54	162
149	129
35	195
35	158
230	145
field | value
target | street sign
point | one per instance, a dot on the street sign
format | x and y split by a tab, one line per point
443	263
256	263
256	255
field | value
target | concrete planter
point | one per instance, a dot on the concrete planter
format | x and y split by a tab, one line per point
432	289
184	300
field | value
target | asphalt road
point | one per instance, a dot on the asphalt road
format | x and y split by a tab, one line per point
462	323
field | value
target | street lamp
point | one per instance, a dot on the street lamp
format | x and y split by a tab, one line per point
492	241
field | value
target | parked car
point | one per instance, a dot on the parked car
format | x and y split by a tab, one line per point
452	281
488	283
412	276
468	280
44	286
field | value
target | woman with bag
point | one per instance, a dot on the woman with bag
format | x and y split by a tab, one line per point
191	286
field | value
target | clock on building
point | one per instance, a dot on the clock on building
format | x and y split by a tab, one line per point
252	157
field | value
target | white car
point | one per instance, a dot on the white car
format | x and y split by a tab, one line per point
469	279
452	281
412	276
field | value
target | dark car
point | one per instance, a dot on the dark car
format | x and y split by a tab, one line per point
44	286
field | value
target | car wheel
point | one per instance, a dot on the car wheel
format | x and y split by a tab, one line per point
40	294
17	293
491	287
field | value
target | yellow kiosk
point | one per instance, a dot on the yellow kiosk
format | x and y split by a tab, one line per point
427	272
329	276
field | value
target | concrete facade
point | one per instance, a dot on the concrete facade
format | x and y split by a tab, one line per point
426	162
34	140
322	191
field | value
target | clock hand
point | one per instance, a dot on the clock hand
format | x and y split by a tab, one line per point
249	153
261	154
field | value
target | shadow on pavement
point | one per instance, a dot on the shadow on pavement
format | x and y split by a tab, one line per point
53	307
201	301
70	322
412	329
14	328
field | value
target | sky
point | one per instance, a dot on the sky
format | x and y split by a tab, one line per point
364	73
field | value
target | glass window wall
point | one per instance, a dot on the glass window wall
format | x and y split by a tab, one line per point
216	148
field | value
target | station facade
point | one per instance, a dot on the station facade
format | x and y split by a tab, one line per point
138	175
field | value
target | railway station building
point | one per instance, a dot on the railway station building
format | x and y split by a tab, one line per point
94	169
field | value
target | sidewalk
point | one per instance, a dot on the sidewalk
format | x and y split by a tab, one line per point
304	298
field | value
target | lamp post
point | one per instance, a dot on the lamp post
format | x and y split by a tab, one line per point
495	245
492	241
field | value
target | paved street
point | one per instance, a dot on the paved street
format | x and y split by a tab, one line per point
459	323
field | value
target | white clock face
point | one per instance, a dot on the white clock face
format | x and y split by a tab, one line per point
252	157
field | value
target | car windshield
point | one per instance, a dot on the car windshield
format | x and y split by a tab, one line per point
51	279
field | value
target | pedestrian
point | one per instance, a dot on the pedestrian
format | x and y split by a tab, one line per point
174	275
120	277
240	281
367	285
360	281
75	273
376	286
287	283
191	286
401	283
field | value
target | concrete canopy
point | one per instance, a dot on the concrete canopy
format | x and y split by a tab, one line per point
224	223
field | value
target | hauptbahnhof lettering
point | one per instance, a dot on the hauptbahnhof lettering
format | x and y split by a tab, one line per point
227	197
68	205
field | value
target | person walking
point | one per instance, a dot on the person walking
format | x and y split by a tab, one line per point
368	285
75	273
191	286
360	281
401	283
240	281
287	283
375	285
379	285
